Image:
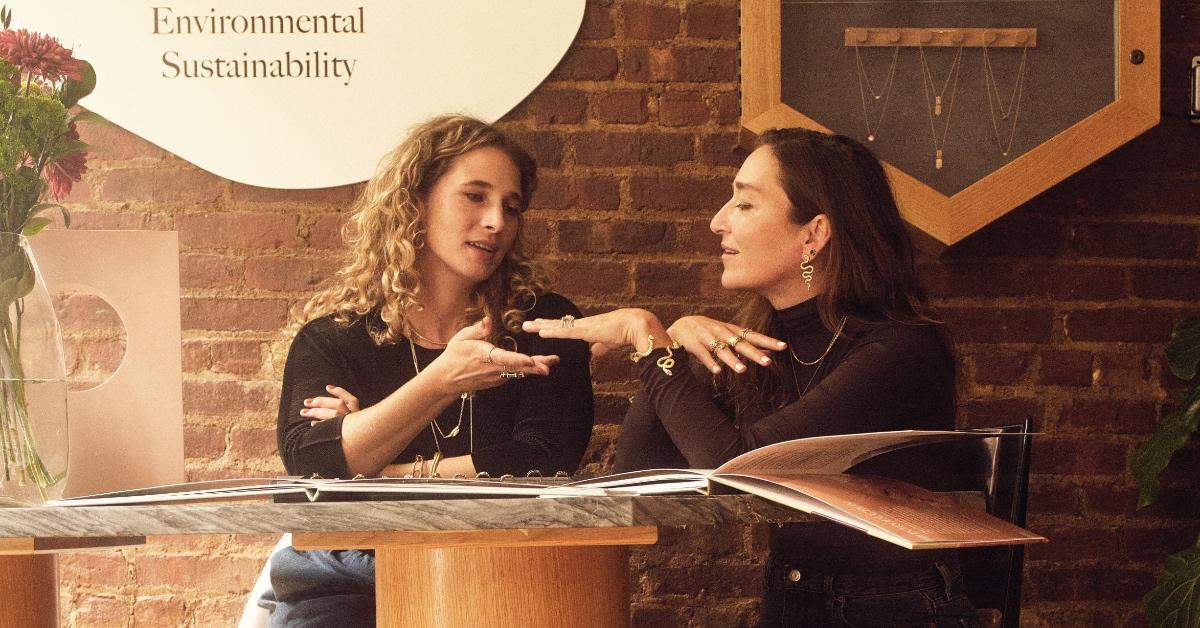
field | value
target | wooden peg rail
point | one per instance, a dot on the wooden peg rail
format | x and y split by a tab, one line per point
943	37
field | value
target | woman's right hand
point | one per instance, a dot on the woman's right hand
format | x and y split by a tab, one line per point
471	363
698	334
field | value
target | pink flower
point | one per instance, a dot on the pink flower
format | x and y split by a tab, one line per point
38	54
64	171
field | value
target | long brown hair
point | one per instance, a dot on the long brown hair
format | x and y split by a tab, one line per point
868	270
387	229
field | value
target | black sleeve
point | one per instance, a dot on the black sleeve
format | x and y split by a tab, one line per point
876	386
644	442
312	363
554	414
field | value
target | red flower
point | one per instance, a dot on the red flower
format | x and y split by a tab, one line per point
38	54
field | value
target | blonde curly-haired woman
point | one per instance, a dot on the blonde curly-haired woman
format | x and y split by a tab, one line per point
414	359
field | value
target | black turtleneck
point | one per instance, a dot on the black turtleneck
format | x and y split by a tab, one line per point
883	376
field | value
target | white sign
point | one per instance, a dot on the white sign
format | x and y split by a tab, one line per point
302	93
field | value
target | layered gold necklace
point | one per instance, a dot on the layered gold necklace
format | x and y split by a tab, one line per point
466	406
837	334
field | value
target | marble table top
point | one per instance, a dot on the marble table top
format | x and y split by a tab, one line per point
254	517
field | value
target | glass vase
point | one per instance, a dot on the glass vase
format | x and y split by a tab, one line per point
33	387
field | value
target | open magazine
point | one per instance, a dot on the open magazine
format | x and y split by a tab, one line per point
808	474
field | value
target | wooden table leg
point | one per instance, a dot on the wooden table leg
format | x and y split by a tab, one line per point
29	593
532	587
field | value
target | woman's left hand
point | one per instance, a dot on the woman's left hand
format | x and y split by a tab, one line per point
711	340
618	328
322	408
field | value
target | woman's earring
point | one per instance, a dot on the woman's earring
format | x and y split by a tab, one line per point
806	268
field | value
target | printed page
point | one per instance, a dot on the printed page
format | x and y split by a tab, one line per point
836	453
895	511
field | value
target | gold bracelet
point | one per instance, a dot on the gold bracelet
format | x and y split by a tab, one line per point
433	467
418	461
635	356
667	362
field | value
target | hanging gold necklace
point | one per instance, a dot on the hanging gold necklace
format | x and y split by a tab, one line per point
1014	101
817	361
462	409
927	76
927	85
884	92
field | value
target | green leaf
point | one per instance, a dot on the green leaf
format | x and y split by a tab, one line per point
34	226
1175	601
64	147
1183	351
89	116
41	207
1152	456
74	91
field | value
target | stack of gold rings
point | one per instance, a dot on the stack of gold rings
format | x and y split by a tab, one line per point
568	322
507	374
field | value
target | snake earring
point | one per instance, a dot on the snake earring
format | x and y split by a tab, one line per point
806	268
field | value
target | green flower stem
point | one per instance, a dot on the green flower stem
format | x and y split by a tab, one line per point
26	449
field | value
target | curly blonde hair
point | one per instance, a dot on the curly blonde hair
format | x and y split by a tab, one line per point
386	230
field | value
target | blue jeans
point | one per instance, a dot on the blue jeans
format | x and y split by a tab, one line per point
319	589
933	598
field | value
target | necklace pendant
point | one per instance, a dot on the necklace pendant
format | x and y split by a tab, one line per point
453	432
870	138
937	162
877	97
937	105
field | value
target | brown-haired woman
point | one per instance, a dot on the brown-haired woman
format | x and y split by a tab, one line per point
423	325
813	233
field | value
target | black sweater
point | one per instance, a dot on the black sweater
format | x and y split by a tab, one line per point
535	423
887	376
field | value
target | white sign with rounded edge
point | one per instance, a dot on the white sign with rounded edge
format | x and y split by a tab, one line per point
302	94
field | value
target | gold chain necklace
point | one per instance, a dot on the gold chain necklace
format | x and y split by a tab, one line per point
817	361
927	76
927	86
1014	101
884	92
428	340
462	409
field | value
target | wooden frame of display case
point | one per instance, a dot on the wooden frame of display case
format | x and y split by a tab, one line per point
940	220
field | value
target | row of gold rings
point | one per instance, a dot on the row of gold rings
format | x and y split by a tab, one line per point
568	322
715	345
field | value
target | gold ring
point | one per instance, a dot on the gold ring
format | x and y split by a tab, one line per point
568	321
745	330
715	345
506	374
733	340
489	356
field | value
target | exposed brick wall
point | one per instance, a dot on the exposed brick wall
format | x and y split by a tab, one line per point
1059	310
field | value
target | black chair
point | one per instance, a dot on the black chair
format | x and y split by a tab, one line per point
993	574
999	469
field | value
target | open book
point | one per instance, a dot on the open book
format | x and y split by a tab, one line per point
295	489
808	474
